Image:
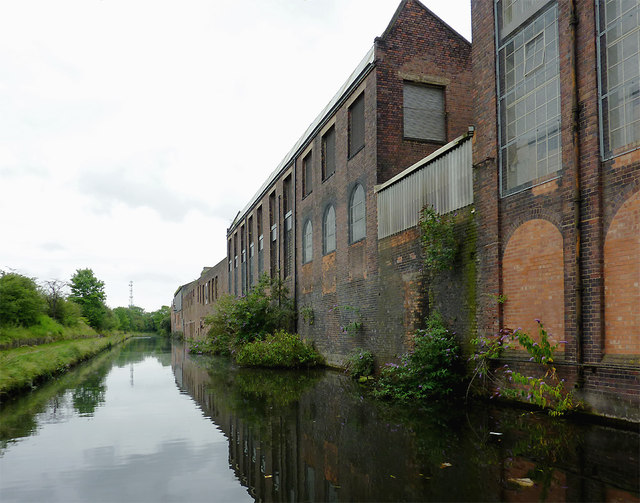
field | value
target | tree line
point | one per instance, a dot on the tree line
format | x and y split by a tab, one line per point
25	302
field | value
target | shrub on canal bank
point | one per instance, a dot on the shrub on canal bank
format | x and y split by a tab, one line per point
23	367
432	369
281	349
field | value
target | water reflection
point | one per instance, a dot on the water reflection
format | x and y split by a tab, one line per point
147	422
312	436
116	429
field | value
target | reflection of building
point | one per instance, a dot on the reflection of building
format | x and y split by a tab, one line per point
557	183
321	442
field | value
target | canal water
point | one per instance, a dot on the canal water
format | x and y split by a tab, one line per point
148	422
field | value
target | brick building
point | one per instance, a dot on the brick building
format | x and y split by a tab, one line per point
314	221
557	184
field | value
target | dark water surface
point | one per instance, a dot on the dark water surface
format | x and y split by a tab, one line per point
147	422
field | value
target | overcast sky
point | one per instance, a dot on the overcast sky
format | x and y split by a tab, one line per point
132	131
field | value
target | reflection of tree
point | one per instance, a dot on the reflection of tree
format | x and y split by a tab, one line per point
85	384
89	394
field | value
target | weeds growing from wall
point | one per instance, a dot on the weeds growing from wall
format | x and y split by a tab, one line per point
548	392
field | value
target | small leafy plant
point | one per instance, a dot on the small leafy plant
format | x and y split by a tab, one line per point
354	317
547	392
438	239
432	369
307	314
360	363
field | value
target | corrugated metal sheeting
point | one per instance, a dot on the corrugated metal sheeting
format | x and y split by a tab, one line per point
442	180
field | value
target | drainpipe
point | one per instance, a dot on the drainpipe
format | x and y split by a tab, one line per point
577	198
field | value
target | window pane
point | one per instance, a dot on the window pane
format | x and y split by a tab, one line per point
529	105
357	214
329	230
307	243
620	66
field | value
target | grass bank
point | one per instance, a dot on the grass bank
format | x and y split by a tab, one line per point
45	331
22	368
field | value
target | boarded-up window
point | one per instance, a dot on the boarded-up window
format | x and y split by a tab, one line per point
356	126
423	109
307	175
329	153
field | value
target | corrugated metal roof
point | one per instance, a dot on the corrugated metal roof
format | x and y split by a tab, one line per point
359	72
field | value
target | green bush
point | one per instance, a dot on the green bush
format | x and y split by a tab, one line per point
237	321
360	364
282	349
21	302
432	369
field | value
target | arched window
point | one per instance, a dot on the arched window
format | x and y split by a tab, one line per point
357	227
307	242
329	230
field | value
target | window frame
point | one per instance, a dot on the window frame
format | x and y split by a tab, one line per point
307	174
529	102
331	132
325	234
431	137
605	91
351	209
355	148
307	242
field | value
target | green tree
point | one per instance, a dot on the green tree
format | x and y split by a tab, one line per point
21	302
88	292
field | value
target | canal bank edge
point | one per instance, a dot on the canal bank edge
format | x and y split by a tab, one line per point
25	367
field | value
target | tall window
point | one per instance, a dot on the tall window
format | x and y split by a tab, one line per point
307	174
329	230
260	240
356	126
329	153
619	30
307	242
529	92
357	222
423	112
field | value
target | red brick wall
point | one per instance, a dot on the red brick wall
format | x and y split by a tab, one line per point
622	280
418	47
599	188
533	276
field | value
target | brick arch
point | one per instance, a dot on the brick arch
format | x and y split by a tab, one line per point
622	280
533	279
533	213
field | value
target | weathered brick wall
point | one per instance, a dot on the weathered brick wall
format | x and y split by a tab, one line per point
350	284
601	190
419	47
405	284
345	278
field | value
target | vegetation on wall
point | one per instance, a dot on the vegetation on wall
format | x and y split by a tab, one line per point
438	239
547	391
